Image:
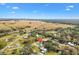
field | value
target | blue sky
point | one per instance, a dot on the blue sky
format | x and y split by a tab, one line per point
40	10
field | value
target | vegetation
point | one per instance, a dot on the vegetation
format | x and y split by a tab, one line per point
22	38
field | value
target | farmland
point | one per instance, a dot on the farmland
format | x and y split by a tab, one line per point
24	37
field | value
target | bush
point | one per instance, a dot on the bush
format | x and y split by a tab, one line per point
2	44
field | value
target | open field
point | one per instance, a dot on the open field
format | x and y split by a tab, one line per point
27	37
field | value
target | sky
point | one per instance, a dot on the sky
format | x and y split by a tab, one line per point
40	10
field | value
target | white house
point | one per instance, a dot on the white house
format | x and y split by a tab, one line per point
43	50
71	44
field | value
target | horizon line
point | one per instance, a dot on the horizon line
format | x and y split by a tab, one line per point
38	19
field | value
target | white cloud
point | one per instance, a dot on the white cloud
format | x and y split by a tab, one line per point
7	6
46	4
15	8
70	7
12	12
2	3
35	11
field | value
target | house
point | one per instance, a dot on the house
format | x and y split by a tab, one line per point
46	39
37	35
25	36
9	46
71	44
40	40
6	40
43	50
17	45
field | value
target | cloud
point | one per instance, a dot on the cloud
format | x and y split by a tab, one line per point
46	4
2	3
12	12
15	8
35	11
70	7
7	6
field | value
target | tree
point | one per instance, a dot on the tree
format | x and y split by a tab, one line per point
51	46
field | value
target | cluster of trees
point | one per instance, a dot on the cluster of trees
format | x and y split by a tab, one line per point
58	44
62	36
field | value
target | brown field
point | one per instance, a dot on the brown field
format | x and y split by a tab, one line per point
32	24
